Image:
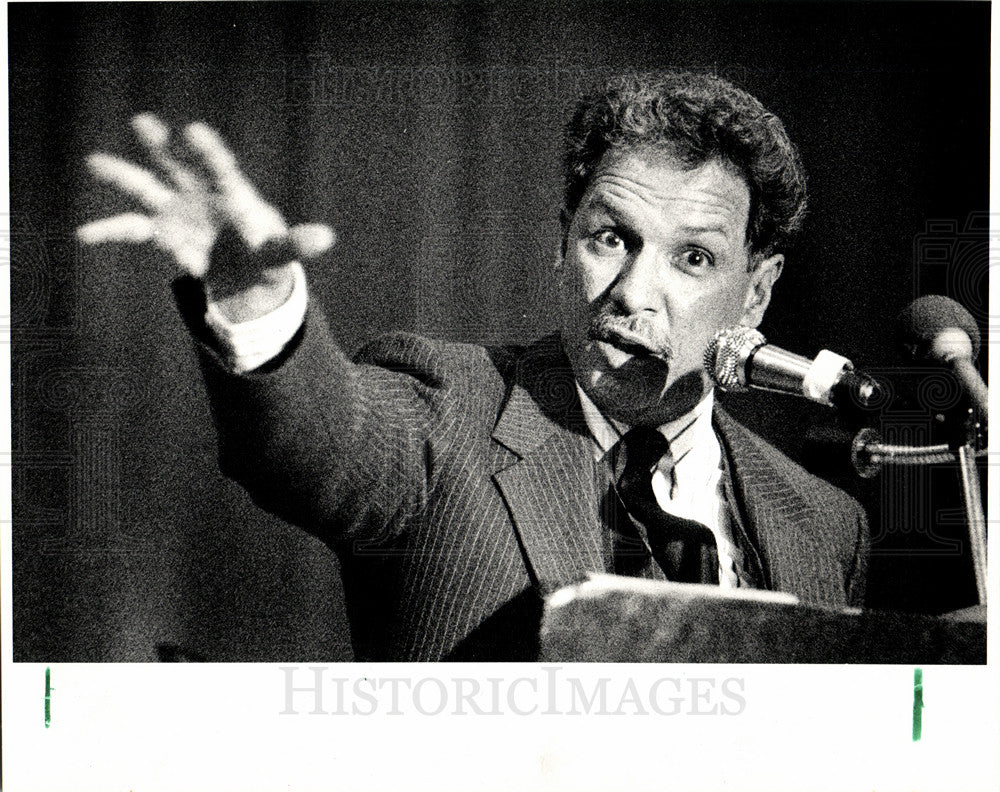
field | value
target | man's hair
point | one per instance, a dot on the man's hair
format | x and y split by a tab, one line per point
694	118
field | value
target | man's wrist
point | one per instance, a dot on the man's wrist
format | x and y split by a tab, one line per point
249	344
270	292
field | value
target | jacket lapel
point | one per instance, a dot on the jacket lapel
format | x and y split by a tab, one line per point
551	483
780	527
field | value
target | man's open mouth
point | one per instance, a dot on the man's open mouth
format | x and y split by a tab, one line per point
629	342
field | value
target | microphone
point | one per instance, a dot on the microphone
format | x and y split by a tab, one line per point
739	358
936	328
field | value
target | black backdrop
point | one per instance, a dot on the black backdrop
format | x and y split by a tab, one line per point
428	135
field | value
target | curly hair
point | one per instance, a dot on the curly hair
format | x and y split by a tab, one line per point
695	118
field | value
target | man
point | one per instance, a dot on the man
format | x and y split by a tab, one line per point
457	483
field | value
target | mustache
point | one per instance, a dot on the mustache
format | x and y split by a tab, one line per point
632	333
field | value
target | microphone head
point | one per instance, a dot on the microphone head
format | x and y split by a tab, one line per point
920	324
727	354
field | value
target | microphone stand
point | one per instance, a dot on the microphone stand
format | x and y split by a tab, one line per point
869	454
974	515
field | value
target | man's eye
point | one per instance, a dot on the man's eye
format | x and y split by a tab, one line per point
697	259
608	240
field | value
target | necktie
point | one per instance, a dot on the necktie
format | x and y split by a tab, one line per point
684	549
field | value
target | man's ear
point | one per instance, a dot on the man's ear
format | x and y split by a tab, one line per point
758	293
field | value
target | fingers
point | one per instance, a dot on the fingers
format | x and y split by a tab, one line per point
214	154
151	131
309	240
190	253
131	179
209	192
254	218
130	227
155	136
301	243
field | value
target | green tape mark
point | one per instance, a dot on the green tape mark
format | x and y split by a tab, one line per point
918	702
48	697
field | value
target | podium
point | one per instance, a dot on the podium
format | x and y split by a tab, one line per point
628	620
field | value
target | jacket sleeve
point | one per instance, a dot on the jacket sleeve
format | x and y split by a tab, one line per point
337	447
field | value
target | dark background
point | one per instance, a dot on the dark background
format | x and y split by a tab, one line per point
428	135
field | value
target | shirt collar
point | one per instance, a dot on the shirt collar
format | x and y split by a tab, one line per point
695	448
683	433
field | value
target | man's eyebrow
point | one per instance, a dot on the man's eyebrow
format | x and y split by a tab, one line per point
601	205
706	229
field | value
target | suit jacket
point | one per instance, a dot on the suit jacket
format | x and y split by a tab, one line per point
458	485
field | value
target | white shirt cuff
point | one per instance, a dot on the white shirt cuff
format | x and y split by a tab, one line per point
246	346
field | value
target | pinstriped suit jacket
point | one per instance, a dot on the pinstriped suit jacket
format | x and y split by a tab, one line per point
458	483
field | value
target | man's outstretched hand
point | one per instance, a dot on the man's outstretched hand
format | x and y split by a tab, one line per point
207	216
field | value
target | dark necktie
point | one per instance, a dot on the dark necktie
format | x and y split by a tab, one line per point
684	549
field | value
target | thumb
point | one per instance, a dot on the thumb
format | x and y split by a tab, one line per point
309	240
300	243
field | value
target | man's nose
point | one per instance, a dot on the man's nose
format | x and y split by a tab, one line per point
637	285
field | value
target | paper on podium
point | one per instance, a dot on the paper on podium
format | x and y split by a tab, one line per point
608	618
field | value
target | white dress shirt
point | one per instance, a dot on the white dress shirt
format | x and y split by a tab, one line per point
695	491
245	346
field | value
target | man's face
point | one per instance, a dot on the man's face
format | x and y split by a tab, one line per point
656	261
